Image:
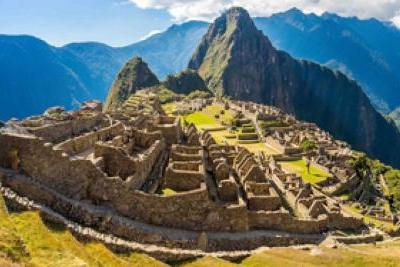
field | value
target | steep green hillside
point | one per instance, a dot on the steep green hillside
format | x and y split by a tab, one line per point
185	82
133	76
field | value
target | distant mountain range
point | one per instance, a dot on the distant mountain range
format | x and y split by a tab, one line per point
35	74
366	50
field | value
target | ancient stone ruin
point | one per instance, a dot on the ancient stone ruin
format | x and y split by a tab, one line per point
136	174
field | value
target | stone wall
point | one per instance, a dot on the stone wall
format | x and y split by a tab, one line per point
184	176
186	153
52	167
66	129
170	128
87	141
282	220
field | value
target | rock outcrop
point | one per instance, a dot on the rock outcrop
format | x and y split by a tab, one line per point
236	59
185	82
133	76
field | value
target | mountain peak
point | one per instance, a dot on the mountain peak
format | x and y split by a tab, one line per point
134	76
236	17
294	11
232	36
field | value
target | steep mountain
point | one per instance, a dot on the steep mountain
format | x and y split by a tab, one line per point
132	77
237	60
366	50
185	82
34	77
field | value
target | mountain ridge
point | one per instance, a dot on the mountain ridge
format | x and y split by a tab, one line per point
237	60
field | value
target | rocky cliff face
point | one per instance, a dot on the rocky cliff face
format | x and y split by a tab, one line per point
132	77
236	59
185	82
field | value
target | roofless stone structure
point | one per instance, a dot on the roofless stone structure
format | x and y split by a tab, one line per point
135	177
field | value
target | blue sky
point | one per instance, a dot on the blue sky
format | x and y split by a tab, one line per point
122	22
115	22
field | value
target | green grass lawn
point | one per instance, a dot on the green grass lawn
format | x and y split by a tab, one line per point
201	120
216	109
315	176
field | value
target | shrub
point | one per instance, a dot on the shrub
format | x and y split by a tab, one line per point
392	178
308	145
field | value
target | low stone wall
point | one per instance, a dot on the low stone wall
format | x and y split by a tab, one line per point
86	141
341	221
66	129
186	153
282	149
228	190
115	161
184	180
282	221
267	203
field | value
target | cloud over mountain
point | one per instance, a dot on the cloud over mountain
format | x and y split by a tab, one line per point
209	9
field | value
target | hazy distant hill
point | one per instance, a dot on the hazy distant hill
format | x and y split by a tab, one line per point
366	50
34	76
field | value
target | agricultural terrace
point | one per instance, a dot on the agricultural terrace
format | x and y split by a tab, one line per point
221	124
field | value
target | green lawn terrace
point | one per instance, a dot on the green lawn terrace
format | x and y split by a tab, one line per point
314	176
220	121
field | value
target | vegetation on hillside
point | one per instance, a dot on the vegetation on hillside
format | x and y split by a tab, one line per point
199	94
366	167
185	82
133	76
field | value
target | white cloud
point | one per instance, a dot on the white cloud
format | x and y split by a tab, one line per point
396	20
151	33
208	9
